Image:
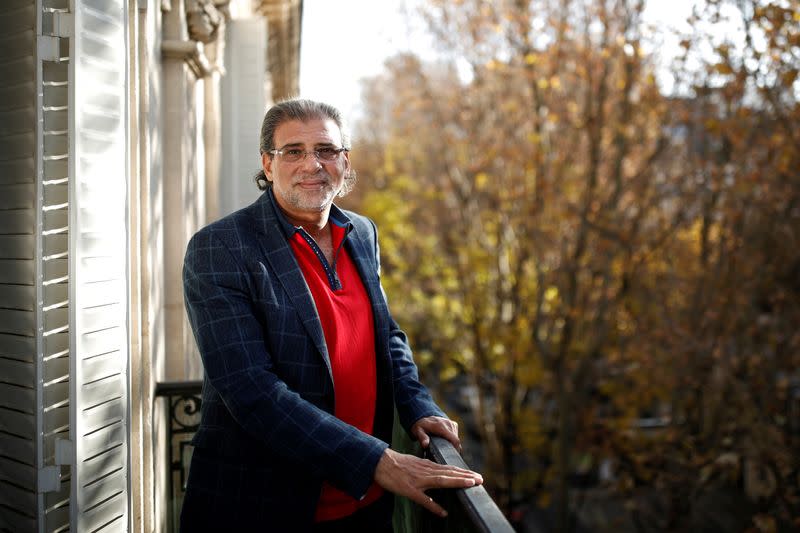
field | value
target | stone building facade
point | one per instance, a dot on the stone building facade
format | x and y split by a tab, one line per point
114	116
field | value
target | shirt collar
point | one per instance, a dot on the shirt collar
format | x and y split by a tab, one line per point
337	216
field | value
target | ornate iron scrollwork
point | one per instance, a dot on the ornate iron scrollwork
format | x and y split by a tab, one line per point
182	417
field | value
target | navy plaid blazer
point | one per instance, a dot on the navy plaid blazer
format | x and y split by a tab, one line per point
267	437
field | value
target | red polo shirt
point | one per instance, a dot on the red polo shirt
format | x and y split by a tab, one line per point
346	315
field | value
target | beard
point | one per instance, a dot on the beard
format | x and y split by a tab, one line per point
317	197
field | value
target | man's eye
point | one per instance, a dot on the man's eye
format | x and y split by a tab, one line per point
293	152
327	152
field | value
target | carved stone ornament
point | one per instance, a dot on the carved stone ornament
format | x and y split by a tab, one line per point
203	20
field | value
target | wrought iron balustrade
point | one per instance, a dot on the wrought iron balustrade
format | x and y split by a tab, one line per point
181	418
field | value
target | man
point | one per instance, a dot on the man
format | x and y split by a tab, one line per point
304	365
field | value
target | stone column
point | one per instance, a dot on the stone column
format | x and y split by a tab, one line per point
284	19
189	26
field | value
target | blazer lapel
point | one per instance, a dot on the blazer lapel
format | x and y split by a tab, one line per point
360	254
283	263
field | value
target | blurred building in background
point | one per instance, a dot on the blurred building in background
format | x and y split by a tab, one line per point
125	125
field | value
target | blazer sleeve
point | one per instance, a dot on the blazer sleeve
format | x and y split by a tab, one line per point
412	399
239	368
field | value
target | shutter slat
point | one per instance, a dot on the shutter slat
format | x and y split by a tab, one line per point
101	293
55	393
104	414
12	520
56	194
100	342
20	399
103	464
17	322
55	518
18	170
16	271
103	439
21	297
55	294
101	391
16	497
103	366
16	96
20	474
55	269
16	246
17	221
15	72
109	516
17	448
56	344
60	497
16	372
55	169
17	423
56	318
17	196
16	128
17	347
56	420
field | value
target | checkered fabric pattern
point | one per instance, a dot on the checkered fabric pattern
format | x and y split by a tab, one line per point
267	425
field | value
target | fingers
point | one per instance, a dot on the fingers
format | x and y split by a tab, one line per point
410	476
427	502
452	436
434	476
454	479
435	425
421	436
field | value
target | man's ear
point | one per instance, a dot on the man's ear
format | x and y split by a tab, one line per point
347	165
266	165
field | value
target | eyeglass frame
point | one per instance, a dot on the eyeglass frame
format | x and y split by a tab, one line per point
280	151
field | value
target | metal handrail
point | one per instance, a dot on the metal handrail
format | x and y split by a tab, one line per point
471	509
481	511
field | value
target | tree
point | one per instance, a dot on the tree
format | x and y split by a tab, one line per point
574	251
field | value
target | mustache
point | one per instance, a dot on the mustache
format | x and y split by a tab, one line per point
321	175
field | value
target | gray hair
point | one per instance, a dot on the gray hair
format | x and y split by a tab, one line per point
304	111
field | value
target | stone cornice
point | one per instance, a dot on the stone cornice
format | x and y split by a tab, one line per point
283	48
204	19
189	51
196	34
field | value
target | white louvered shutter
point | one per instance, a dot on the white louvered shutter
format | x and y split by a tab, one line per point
34	325
18	336
98	264
63	257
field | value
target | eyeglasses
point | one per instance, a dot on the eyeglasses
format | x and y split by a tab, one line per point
295	155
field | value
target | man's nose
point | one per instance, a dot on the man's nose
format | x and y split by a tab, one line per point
310	161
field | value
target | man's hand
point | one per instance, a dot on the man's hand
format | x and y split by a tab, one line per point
410	476
436	425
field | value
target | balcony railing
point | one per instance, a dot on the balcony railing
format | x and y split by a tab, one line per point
181	418
469	510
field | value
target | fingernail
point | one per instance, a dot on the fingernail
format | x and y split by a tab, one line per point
444	514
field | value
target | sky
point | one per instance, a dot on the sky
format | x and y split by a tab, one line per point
344	41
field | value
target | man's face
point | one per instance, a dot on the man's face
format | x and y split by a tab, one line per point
308	185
